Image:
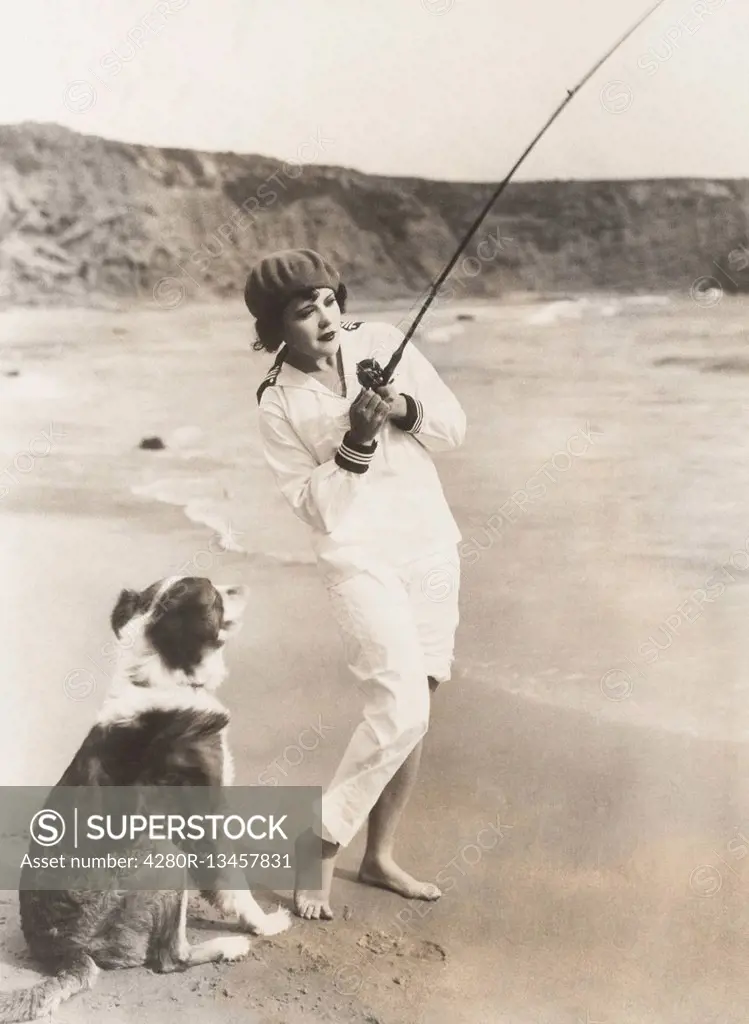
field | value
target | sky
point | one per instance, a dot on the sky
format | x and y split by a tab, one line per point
445	89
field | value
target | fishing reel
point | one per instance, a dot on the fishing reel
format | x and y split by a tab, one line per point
371	375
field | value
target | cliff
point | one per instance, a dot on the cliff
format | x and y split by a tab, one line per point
82	216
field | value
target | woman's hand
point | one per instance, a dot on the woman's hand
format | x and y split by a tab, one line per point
367	414
396	401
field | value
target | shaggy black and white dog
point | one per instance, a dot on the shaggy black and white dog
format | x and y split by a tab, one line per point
160	725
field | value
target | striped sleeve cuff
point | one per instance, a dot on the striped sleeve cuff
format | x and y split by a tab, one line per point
353	456
412	421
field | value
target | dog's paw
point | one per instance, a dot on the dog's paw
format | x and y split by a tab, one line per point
235	947
274	923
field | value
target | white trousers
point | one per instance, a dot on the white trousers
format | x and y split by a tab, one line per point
398	627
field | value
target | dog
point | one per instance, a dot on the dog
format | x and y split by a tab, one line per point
160	724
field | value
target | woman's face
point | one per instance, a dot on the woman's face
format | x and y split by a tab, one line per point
311	326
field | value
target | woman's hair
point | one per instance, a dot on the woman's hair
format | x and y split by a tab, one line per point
269	330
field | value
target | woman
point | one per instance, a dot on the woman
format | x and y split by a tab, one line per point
355	466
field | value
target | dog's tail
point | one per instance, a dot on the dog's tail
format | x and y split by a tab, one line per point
24	1004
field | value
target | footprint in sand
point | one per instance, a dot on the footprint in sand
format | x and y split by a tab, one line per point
426	950
382	944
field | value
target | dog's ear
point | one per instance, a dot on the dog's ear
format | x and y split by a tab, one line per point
123	611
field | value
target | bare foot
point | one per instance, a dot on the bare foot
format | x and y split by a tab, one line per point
314	904
386	874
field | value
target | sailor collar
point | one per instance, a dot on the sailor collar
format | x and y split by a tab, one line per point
282	374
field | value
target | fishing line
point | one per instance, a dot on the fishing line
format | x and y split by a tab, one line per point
369	372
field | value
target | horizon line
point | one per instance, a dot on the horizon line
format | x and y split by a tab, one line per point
368	174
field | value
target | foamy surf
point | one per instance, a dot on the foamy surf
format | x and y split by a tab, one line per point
441	335
205	502
604	306
648	300
645	707
182	490
208	514
553	312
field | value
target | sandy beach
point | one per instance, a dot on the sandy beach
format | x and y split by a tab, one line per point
582	788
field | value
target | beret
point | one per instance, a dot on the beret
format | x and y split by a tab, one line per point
277	278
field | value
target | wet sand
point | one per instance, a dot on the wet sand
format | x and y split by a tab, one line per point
579	802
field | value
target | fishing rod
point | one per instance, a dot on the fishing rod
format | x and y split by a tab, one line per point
369	372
